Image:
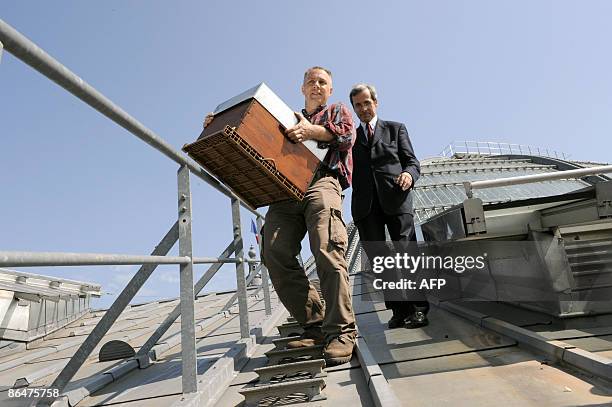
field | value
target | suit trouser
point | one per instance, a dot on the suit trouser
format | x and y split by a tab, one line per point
319	214
401	230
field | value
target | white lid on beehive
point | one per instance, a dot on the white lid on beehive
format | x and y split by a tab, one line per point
276	107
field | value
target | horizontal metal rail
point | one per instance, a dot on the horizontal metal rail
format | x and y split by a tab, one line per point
208	260
526	179
498	148
37	259
24	49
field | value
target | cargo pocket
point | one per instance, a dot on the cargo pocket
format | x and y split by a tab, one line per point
337	229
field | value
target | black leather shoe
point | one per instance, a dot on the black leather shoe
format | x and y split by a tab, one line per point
396	321
416	320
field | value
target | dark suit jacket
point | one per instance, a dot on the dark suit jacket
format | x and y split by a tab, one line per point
375	169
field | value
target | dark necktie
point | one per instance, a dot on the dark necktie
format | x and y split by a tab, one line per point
370	133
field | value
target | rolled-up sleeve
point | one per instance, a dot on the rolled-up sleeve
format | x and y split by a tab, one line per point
340	124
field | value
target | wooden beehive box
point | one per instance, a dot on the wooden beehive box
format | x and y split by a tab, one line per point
245	148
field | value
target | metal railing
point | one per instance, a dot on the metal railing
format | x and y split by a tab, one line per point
526	179
31	54
497	148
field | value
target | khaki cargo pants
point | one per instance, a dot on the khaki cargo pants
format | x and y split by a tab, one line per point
319	214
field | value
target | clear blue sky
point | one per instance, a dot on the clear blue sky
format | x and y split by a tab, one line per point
531	72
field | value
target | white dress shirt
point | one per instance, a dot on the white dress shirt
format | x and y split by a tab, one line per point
364	126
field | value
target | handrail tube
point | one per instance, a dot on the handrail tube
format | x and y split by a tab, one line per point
526	179
32	259
24	49
41	259
206	260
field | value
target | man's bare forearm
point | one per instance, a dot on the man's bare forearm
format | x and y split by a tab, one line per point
320	133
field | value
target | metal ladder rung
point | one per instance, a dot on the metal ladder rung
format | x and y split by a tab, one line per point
581	244
313	367
281	343
599	271
311	388
290	329
591	287
276	357
603	262
594	253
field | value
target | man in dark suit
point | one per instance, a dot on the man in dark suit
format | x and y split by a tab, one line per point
384	172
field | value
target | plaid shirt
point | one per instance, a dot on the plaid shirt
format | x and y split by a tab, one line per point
337	119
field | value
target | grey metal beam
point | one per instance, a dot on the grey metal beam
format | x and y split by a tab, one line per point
240	280
41	259
1	49
526	179
35	259
24	49
557	350
380	390
265	281
107	320
188	341
206	260
164	326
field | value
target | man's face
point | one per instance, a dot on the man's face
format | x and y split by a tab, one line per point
364	106
317	87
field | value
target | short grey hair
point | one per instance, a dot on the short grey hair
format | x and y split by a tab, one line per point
360	87
320	68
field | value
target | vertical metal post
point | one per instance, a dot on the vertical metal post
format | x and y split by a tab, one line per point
241	291
1	48
188	346
264	271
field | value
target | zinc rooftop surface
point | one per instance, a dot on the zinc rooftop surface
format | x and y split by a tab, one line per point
160	383
455	362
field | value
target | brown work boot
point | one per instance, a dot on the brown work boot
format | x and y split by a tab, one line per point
310	337
339	350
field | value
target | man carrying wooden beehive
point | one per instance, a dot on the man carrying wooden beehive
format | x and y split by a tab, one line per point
320	214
